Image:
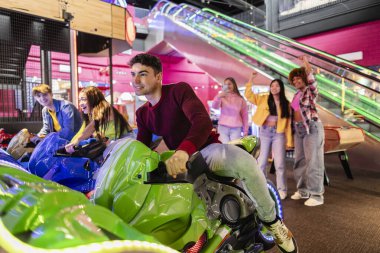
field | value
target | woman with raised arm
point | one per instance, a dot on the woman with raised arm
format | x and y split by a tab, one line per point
308	137
273	117
233	118
100	118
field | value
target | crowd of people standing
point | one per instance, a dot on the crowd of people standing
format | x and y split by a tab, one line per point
283	125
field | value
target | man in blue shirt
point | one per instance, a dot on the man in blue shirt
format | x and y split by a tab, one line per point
58	115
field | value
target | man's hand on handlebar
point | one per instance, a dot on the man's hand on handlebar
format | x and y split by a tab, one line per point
176	164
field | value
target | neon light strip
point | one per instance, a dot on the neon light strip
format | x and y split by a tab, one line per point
278	201
262	54
217	14
182	7
324	91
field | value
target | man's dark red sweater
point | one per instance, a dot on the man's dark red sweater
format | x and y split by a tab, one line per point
179	117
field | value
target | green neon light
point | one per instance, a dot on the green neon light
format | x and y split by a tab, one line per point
217	14
284	66
179	10
260	54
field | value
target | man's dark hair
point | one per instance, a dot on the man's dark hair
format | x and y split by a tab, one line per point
147	60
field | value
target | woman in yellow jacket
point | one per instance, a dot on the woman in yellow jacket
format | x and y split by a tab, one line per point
273	117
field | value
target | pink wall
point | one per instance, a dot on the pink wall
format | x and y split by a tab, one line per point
363	37
175	69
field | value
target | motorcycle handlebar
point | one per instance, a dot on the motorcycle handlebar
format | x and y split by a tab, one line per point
196	165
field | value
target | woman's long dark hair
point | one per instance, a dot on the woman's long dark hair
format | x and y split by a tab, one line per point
235	90
284	103
101	111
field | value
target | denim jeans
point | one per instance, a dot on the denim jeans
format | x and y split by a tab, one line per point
230	161
309	165
228	133
272	141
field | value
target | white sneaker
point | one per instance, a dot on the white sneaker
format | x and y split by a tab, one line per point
300	195
283	195
313	202
283	237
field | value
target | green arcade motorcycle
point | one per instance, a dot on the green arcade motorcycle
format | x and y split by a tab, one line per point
136	207
196	212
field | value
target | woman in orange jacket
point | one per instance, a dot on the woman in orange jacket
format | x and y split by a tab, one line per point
273	117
